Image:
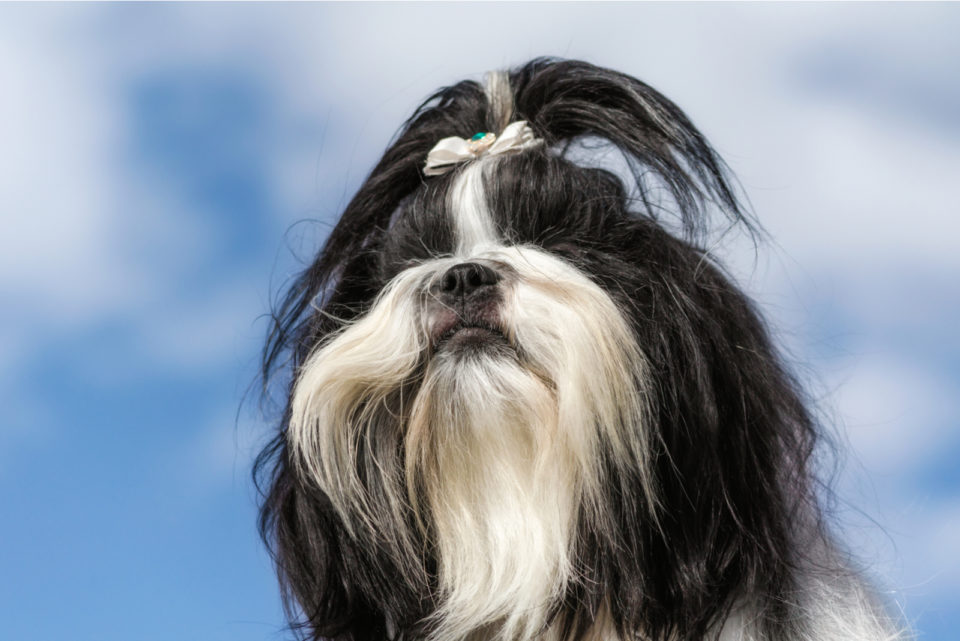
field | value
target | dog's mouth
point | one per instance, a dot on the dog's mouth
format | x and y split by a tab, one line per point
463	334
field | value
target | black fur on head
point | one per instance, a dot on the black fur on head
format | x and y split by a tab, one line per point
717	514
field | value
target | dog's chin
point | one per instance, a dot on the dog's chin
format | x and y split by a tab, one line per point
468	332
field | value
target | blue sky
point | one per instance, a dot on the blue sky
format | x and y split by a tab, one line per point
159	161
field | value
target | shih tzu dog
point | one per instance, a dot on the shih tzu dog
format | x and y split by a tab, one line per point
524	407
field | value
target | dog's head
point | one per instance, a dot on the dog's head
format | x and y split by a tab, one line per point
519	405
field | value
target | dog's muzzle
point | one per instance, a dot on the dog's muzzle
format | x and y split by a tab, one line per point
465	305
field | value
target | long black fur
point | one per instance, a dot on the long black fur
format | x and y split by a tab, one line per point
733	437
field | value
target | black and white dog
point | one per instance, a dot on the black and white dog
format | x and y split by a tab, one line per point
520	408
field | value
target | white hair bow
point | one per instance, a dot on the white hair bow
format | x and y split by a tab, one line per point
452	151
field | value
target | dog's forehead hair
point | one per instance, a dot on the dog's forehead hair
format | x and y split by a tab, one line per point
469	213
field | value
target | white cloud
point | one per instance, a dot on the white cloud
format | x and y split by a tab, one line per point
87	239
57	124
897	412
861	189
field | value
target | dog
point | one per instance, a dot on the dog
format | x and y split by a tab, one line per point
524	406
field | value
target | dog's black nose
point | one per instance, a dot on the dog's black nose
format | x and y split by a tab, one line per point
464	279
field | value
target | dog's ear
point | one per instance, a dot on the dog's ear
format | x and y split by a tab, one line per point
566	100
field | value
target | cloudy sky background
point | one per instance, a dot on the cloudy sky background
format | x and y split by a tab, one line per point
157	164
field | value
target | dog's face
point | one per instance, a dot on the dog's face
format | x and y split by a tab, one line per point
496	363
520	407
